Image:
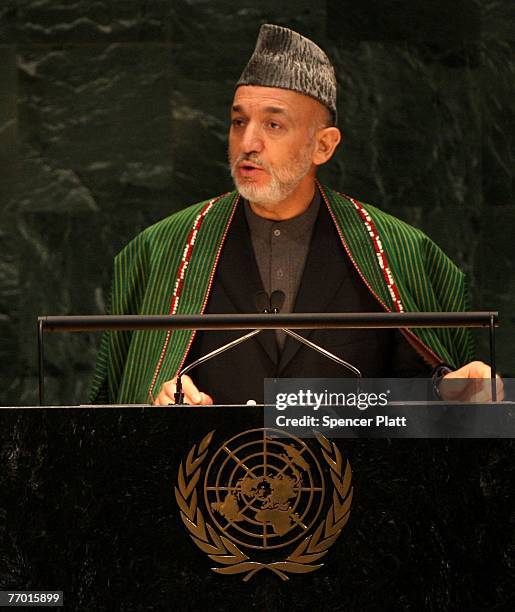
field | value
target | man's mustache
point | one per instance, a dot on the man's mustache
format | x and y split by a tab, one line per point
250	158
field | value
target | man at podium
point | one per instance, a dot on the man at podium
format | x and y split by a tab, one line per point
279	231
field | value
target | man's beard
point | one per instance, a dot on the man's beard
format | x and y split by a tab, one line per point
283	180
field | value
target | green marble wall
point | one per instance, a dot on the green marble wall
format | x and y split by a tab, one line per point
114	114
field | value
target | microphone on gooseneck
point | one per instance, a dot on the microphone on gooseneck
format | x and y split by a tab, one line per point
263	305
276	303
267	305
262	301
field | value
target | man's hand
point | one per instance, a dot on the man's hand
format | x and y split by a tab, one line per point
470	384
191	394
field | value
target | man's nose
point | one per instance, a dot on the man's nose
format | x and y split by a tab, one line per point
252	141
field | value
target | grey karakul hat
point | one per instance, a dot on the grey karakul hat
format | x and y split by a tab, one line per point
285	59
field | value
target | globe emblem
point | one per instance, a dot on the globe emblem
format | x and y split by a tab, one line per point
263	490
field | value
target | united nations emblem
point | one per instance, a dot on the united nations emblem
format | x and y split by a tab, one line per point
263	492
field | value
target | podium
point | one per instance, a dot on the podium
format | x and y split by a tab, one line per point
188	508
88	505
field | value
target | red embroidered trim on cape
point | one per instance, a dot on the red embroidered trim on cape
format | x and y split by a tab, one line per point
179	281
381	256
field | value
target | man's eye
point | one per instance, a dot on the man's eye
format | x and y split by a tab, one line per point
237	122
274	125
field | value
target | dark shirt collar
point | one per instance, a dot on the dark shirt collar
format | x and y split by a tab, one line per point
293	228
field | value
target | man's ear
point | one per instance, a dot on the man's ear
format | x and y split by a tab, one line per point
327	139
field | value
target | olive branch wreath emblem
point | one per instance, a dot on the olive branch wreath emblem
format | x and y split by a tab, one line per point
230	558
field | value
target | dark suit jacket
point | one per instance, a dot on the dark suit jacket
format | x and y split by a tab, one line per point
329	283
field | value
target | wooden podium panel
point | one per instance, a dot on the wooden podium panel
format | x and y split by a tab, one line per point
88	506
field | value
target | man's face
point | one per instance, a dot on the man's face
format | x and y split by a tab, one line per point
271	142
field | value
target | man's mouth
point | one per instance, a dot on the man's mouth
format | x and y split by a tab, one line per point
249	169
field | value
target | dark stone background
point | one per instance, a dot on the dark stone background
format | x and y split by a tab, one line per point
114	115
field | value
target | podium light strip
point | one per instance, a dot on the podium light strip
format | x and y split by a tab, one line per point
376	320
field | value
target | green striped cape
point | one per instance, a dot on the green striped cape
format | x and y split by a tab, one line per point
169	268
